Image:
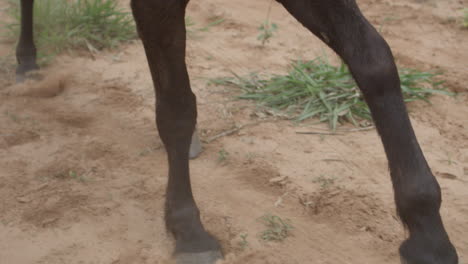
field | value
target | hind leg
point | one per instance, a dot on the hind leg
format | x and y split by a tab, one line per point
341	25
161	27
26	50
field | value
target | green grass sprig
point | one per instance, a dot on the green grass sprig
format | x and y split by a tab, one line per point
63	25
318	89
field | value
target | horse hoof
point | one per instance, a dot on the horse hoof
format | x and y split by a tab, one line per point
30	75
195	146
207	257
414	253
27	70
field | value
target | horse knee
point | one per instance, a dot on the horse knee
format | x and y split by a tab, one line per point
374	69
176	116
417	200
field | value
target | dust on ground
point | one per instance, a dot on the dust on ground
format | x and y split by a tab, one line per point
83	171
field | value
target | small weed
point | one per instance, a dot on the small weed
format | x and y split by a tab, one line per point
61	25
13	117
277	228
465	18
243	244
223	155
317	89
324	181
251	156
220	81
192	30
267	31
449	160
189	22
384	22
212	24
148	150
73	174
145	152
322	138
70	174
7	65
449	20
267	28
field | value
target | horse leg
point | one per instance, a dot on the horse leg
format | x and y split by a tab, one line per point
26	50
341	25
161	26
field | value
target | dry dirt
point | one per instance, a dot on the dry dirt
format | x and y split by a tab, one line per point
83	173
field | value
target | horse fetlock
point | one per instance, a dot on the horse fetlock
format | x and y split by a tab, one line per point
26	65
421	249
189	232
418	200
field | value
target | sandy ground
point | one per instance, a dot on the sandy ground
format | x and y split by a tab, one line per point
83	171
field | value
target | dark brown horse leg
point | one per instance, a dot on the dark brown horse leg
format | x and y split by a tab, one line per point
340	24
161	27
26	50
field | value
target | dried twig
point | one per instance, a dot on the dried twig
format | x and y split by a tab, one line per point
234	130
338	132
